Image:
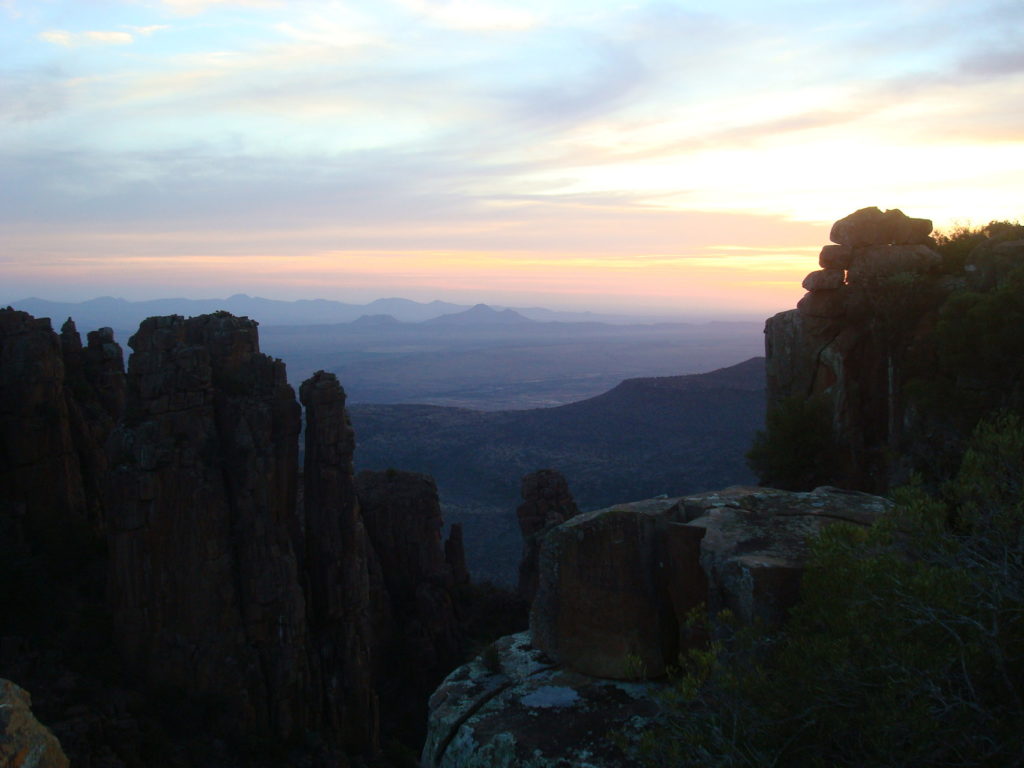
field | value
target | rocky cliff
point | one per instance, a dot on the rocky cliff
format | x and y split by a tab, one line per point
878	341
201	503
263	601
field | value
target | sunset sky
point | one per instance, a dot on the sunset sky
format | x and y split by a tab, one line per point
669	156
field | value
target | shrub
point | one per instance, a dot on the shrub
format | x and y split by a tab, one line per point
907	647
797	449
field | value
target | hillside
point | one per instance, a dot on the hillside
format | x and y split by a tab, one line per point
645	437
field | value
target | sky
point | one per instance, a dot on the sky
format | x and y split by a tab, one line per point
672	156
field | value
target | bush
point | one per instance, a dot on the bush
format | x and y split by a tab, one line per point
907	647
797	450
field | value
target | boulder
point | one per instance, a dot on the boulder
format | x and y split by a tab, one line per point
512	708
824	280
870	226
24	741
835	257
602	607
871	263
547	502
826	304
617	585
755	547
904	230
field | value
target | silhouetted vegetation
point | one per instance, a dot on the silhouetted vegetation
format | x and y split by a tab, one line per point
907	647
956	244
797	449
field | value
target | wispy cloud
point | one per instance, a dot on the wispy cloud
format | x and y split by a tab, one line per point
192	7
477	15
92	37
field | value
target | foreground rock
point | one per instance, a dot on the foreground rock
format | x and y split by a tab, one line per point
616	585
24	741
512	707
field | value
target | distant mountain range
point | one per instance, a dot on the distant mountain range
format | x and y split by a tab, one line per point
124	315
671	435
481	314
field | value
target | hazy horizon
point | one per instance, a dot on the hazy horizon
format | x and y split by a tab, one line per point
679	313
628	157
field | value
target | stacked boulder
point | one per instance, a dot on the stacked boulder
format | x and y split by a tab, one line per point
866	245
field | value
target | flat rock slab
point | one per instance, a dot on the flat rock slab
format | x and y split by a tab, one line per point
521	710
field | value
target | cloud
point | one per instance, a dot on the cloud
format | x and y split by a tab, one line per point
98	37
988	63
472	15
192	7
31	95
148	30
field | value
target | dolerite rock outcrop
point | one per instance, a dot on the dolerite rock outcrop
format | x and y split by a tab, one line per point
402	515
43	503
348	610
864	310
547	503
617	589
200	508
169	499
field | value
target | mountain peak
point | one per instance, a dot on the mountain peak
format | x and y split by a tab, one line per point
482	314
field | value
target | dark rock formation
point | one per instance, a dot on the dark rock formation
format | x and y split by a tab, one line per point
42	498
201	500
347	605
547	503
850	334
24	741
265	617
601	606
870	226
402	515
